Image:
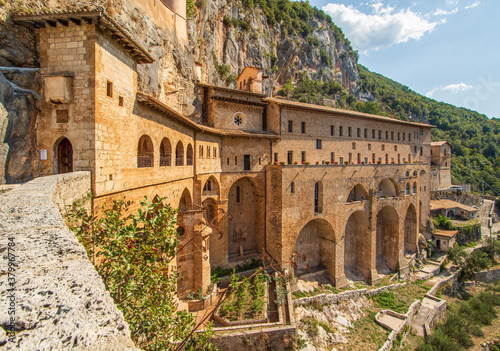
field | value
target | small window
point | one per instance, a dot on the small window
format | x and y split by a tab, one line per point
201	150
332	157
421	151
409	136
341	131
120	101
275	157
421	131
208	151
386	135
383	147
366	133
404	136
62	116
290	157
369	146
415	149
246	162
359	157
292	188
318	144
227	160
303	157
407	189
392	135
395	148
303	127
290	126
349	132
235	160
215	151
373	133
399	136
238	195
341	160
359	132
109	89
332	130
380	135
354	145
446	164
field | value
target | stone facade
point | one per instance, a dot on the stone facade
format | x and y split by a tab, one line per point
251	175
440	165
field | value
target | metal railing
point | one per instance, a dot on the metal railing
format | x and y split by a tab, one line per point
144	161
179	161
165	161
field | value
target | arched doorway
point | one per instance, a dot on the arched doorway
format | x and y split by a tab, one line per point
411	229
210	211
315	248
450	214
358	193
246	223
357	245
386	188
185	202
145	152
64	156
211	187
387	240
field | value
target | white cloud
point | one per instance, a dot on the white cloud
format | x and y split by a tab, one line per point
440	12
471	6
453	88
381	29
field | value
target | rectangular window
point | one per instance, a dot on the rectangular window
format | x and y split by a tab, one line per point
373	133
62	116
392	159
109	89
373	158
386	158
246	162
235	160
260	161
369	146
215	151
318	144
359	132
386	135
208	151
421	152
350	157
415	149
303	157
275	157
341	131
366	160
292	188
392	135
341	160
228	161
399	158
409	136
349	132
409	157
404	136
332	130
380	135
354	146
332	157
290	157
366	133
290	126
421	131
120	101
395	148
359	157
303	127
383	147
201	150
399	136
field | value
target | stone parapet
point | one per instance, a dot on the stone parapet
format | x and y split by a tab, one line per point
57	301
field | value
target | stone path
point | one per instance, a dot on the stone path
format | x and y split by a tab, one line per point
425	310
393	322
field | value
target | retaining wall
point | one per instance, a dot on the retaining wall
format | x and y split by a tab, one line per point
57	301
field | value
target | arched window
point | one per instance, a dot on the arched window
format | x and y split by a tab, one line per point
208	185
179	154
414	190
145	153
407	189
165	153
318	197
64	156
238	195
189	155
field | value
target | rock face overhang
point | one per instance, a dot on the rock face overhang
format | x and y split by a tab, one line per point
58	299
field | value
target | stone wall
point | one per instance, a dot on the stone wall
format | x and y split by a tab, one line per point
59	301
487	276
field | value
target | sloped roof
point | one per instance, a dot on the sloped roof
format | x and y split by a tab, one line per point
447	204
439	143
446	233
97	16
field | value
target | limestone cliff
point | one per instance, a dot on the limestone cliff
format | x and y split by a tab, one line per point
223	36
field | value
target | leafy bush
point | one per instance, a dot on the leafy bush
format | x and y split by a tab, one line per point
133	252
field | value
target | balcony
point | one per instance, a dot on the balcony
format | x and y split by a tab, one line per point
144	161
165	161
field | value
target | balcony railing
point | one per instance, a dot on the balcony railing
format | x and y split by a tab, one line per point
189	162
165	161
144	161
179	161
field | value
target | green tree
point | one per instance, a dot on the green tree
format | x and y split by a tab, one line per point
133	253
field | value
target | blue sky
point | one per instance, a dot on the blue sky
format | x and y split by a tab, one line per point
446	49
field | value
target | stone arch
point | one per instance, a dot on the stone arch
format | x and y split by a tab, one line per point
357	193
450	213
165	153
63	150
357	248
387	187
186	202
315	247
318	197
245	219
211	187
411	229
179	154
422	173
189	155
210	209
145	152
387	241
